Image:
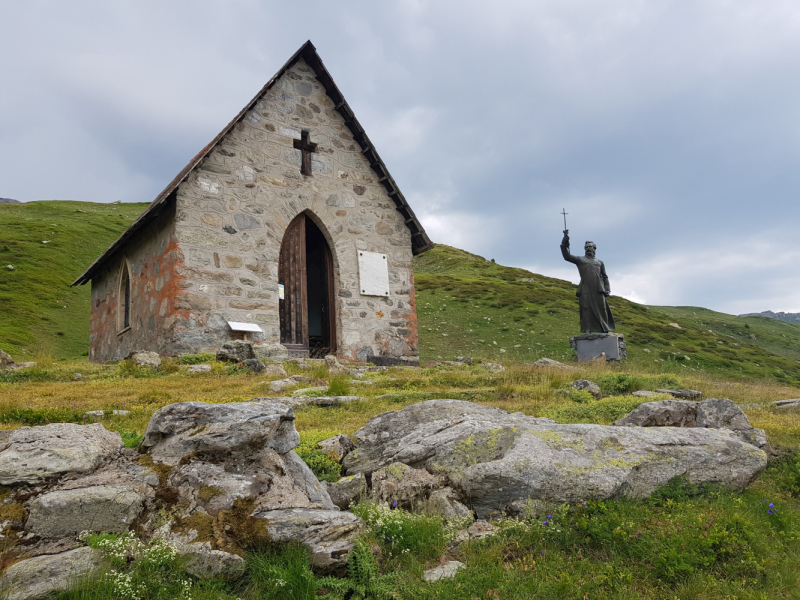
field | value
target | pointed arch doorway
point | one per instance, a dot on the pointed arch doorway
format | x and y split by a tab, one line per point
307	310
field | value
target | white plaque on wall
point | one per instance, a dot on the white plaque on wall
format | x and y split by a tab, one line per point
373	273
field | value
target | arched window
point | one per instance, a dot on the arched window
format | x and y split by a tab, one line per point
124	302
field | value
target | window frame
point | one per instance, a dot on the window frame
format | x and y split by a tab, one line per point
124	298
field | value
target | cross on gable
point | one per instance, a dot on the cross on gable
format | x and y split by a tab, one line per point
306	148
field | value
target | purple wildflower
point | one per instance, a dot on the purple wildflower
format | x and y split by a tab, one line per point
771	505
770	511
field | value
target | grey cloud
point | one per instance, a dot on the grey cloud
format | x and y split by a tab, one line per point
665	129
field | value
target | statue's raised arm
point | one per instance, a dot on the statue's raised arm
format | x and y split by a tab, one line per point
565	249
593	289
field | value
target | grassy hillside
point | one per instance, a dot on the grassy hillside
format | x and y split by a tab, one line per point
466	304
39	312
777	337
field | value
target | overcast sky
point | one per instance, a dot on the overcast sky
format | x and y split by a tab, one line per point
670	131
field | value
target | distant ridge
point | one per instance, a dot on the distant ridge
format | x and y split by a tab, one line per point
10	201
780	316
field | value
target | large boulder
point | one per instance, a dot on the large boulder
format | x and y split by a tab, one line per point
712	413
328	535
40	576
497	460
215	431
36	454
66	513
226	462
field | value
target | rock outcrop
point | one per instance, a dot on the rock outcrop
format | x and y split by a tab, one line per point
35	454
496	461
224	476
711	413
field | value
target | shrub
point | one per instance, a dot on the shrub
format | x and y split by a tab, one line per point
324	465
339	386
363	580
140	570
581	396
599	411
401	532
279	573
196	359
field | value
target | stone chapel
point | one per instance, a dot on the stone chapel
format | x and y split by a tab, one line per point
286	229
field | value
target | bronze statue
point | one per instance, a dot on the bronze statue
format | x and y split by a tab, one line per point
593	290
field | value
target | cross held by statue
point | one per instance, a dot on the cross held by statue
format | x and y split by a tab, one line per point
565	213
306	148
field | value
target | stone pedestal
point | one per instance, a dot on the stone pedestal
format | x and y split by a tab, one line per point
590	345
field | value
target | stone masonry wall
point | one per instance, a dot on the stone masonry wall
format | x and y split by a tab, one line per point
154	287
233	210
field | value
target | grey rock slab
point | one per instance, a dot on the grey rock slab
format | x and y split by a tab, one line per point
100	509
493	367
199	369
102	413
328	535
712	413
42	575
209	430
792	403
323	400
589	386
339	445
347	490
282	384
275	481
496	459
663	413
270	352
721	413
646	394
683	394
35	454
446	571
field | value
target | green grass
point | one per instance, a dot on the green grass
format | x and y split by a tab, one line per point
41	314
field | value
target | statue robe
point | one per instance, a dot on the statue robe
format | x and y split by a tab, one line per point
595	314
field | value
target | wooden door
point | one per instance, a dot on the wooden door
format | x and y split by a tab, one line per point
292	274
331	303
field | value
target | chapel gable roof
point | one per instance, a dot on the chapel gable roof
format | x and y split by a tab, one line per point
420	242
